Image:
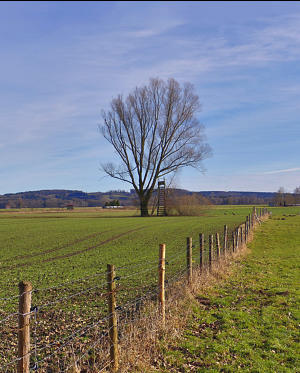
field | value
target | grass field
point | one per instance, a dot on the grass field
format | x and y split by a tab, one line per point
249	323
54	246
64	255
49	247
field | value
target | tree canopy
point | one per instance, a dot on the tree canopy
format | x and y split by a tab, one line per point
155	132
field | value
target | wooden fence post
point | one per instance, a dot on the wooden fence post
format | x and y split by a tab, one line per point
189	259
113	327
25	289
210	250
225	238
233	241
241	235
201	242
161	282
218	246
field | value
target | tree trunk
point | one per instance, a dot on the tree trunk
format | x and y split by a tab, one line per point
144	206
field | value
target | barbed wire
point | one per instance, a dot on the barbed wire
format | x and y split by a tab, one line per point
36	290
102	369
174	277
71	337
177	255
64	345
133	264
140	262
15	360
70	282
8	317
71	296
98	286
105	283
174	261
140	272
16	314
75	334
81	331
17	296
124	308
86	353
136	300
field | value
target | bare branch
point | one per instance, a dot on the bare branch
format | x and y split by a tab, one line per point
155	132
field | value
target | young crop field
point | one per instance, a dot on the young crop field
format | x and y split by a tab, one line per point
50	247
64	255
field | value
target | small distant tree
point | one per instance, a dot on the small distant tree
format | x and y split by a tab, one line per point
155	132
297	195
279	197
19	203
114	202
289	199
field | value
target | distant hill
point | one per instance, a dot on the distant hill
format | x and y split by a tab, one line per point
61	198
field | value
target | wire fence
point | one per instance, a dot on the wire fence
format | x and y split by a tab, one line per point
70	327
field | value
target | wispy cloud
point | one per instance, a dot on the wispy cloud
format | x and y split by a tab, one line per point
54	84
281	171
156	29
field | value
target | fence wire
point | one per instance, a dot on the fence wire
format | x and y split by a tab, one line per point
136	285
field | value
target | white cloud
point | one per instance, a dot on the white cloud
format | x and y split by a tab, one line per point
281	171
98	64
241	182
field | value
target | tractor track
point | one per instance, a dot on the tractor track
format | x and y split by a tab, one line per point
18	257
28	264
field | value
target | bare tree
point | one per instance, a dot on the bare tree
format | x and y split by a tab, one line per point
155	132
279	197
297	195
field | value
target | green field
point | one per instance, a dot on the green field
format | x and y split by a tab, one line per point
64	255
51	247
250	322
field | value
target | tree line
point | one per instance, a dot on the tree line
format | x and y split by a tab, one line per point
282	198
60	199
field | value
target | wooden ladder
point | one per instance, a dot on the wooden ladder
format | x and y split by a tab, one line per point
161	208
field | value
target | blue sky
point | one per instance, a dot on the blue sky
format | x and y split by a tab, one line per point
61	63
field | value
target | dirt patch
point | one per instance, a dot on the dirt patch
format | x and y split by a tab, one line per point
269	293
204	301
